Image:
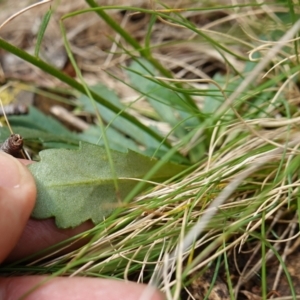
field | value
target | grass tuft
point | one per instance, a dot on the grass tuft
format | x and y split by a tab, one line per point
221	93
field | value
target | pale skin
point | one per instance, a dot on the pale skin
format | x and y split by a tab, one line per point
20	236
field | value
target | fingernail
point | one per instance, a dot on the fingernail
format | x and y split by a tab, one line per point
10	171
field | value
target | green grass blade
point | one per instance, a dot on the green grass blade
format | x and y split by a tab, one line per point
42	31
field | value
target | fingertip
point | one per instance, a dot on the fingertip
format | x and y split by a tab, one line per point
17	199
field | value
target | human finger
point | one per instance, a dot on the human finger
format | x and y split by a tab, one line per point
41	234
17	198
71	288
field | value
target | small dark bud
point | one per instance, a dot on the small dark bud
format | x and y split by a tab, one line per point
13	146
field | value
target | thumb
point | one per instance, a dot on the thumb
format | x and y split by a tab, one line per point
17	198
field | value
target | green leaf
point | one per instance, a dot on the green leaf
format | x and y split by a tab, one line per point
117	141
40	131
168	104
35	119
135	132
37	140
77	185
